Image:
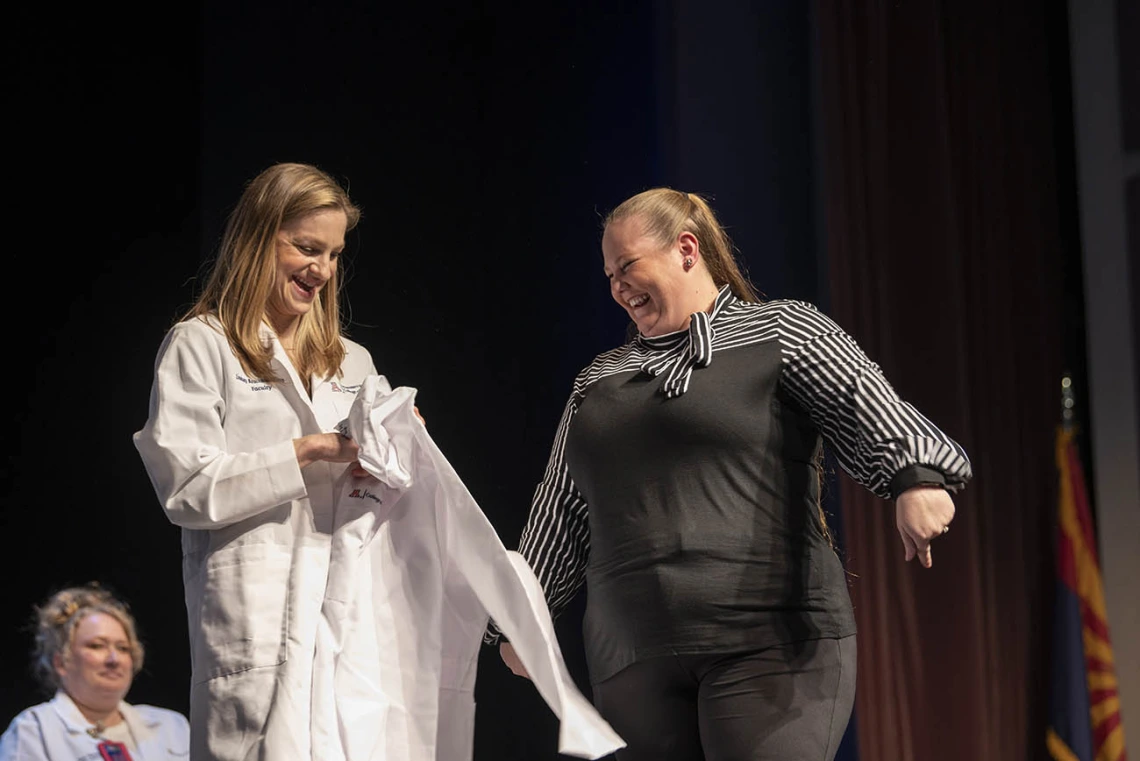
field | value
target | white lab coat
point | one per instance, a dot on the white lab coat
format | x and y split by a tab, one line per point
262	581
416	571
57	731
256	533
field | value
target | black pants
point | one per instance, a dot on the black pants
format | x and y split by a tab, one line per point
786	703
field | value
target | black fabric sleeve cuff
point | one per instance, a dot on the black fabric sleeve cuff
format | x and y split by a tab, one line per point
915	475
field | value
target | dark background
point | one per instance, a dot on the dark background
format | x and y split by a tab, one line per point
484	142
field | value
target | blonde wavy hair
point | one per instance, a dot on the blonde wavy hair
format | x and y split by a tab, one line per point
241	279
57	619
666	213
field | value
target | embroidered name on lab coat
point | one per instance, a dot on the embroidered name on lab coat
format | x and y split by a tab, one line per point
365	494
255	384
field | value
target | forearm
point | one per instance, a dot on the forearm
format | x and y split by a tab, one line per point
315	448
210	489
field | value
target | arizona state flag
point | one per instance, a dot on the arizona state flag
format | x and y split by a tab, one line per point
1085	710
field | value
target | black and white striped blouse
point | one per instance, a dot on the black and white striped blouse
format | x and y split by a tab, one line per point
883	442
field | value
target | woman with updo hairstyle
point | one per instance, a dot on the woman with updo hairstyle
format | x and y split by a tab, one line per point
87	653
683	493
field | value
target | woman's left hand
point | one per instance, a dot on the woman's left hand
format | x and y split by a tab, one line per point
923	513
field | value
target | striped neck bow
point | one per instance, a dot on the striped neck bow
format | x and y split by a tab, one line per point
676	354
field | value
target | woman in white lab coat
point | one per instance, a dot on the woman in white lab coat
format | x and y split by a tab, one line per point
241	449
87	653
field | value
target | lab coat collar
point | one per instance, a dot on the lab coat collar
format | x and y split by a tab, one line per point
267	333
77	724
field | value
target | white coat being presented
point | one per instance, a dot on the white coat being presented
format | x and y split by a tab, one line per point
417	569
258	552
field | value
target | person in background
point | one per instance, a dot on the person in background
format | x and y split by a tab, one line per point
683	490
87	653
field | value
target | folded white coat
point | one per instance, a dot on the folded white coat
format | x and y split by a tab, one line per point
416	572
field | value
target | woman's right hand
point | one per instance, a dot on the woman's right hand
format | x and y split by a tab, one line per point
329	447
511	658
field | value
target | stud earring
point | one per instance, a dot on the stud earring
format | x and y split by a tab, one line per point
688	262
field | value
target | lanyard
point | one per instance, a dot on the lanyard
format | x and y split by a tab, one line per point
113	751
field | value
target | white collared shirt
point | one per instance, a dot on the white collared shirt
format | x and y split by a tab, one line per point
57	731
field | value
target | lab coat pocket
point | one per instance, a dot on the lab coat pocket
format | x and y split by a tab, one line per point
244	610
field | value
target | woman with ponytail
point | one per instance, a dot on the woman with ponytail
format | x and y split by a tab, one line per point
683	492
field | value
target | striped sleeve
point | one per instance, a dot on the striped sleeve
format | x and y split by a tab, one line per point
875	435
556	538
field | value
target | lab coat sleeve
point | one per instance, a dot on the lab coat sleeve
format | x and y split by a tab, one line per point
23	740
183	444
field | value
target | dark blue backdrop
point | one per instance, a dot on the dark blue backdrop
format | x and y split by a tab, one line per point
484	143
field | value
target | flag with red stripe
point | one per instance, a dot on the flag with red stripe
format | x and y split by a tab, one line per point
1085	707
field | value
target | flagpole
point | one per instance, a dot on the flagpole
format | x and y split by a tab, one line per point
1084	712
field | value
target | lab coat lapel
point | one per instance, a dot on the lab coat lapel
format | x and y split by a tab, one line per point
293	389
75	722
147	734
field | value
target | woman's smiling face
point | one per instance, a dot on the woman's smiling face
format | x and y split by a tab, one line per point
646	279
96	669
307	252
